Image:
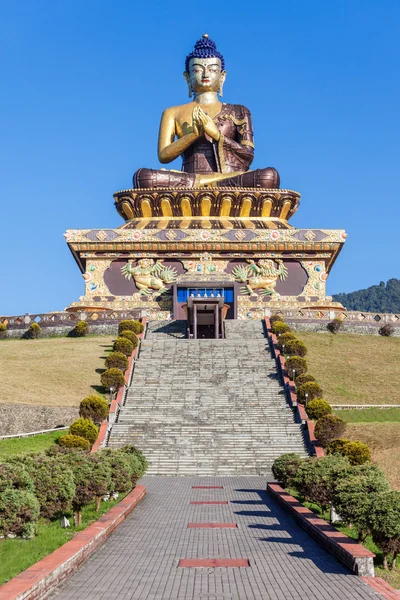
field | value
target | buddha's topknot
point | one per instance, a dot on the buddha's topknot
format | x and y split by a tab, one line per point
205	48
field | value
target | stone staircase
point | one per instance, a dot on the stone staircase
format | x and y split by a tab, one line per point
207	407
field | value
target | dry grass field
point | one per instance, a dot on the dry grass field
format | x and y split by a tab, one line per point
51	372
355	369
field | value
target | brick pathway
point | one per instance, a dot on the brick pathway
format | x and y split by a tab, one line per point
140	560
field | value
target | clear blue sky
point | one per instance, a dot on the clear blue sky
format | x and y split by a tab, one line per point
83	85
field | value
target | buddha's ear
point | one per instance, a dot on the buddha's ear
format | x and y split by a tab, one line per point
221	83
187	79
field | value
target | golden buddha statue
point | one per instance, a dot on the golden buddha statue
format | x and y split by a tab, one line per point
215	139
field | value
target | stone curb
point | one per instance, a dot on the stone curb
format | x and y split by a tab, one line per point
40	579
349	552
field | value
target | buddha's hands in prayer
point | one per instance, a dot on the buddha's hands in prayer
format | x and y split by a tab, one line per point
207	124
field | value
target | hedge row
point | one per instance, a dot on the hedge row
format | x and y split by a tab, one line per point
61	483
360	494
329	428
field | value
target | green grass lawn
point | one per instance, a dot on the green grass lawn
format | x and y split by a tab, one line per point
16	555
370	415
27	445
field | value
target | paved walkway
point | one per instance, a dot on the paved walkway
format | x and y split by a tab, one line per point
140	560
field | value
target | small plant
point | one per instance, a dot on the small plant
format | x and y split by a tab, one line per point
295	366
117	360
81	329
112	378
304	378
329	428
19	512
296	348
386	330
3	331
284	338
94	408
336	446
275	317
84	428
335	325
279	327
357	452
123	345
135	326
285	467
318	408
73	441
34	331
309	391
132	337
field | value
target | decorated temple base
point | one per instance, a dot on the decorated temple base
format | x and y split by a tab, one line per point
188	248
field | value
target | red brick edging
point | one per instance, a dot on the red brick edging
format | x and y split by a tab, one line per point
39	579
382	587
300	411
349	552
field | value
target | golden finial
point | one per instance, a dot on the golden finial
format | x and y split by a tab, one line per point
205	35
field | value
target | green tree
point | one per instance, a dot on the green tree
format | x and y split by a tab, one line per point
101	478
385	520
285	467
19	512
329	428
54	486
81	467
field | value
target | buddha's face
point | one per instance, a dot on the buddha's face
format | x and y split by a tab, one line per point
205	75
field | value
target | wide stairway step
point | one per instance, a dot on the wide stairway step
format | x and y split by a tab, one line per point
207	407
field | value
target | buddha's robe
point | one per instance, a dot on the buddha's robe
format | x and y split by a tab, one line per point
232	153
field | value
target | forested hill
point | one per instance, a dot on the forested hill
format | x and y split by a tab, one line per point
377	298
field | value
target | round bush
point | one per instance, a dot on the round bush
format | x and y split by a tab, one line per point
279	327
117	360
273	318
73	441
19	511
304	378
54	487
84	428
386	330
14	475
285	467
335	325
123	345
357	452
329	428
112	378
121	470
296	363
81	329
131	451
129	335
3	331
312	389
296	348
285	338
318	408
336	446
135	326
34	331
94	407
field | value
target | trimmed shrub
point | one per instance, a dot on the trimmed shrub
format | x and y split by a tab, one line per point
15	476
81	467
296	348
279	327
318	408
312	389
285	467
19	511
54	487
385	521
355	495
74	441
285	338
304	378
33	332
101	478
329	428
143	464
129	335
386	330
84	428
135	326
335	325
296	363
117	360
357	452
123	345
112	378
94	407
275	317
121	470
3	331
81	329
